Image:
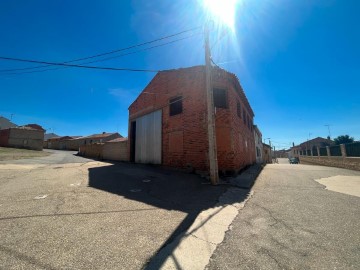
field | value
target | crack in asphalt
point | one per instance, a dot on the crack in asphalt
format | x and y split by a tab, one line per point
25	258
277	220
268	253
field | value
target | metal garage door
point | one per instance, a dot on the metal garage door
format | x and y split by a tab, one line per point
148	138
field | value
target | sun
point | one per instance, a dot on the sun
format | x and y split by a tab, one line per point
223	10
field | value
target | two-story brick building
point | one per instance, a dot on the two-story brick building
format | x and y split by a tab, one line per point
168	123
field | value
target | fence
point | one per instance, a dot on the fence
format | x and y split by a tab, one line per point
335	151
353	149
323	151
342	156
342	150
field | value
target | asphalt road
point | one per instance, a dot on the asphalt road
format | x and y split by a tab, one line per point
56	157
292	222
67	212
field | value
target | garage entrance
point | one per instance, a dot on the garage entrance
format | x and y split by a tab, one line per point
145	132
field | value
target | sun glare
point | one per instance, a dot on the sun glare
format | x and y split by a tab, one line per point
223	10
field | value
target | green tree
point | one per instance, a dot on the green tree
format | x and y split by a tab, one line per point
343	139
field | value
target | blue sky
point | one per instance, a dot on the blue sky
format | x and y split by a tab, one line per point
298	62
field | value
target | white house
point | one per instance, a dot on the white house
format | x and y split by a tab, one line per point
258	145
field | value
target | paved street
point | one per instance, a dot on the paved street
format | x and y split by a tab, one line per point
293	222
67	212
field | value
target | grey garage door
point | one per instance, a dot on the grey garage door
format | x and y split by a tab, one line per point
148	138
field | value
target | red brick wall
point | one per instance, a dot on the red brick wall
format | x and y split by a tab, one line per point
185	135
235	140
4	137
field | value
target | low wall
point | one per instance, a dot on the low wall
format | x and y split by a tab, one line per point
74	144
92	150
26	138
115	151
352	163
109	151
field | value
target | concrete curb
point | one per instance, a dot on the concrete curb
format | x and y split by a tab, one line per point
193	248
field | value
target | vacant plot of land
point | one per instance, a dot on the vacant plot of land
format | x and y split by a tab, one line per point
14	153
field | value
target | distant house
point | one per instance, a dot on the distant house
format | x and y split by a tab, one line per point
74	142
168	121
29	136
58	143
6	123
310	146
102	137
267	153
258	145
281	153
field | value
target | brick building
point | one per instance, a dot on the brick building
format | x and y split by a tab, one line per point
168	121
306	148
30	137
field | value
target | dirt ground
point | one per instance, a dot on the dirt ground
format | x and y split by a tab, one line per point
14	153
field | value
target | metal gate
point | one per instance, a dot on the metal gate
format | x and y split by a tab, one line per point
148	138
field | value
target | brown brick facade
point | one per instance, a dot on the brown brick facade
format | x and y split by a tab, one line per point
184	136
22	137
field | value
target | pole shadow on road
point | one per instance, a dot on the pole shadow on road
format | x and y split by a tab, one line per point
160	187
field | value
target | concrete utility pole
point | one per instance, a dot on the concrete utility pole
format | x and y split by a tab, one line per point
213	163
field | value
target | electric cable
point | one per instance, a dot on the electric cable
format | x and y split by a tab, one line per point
77	66
107	53
105	59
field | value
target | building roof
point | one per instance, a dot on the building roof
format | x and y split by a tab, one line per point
60	138
35	126
217	71
24	128
257	130
318	141
117	140
101	135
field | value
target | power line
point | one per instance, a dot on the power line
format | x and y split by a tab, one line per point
105	59
107	53
77	66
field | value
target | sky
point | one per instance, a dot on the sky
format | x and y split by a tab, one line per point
297	61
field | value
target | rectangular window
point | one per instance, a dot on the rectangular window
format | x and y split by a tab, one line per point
244	117
220	99
238	109
175	106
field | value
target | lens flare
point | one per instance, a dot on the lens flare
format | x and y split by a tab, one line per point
223	10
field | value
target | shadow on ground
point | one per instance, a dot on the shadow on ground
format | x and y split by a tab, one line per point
160	187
